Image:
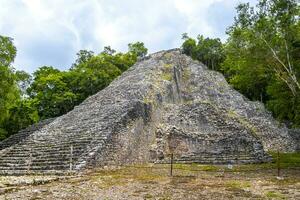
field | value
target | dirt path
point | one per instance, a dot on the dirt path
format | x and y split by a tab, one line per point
142	182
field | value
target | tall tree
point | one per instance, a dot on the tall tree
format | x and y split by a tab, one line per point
8	87
189	45
50	93
108	50
23	80
207	50
82	57
7	51
262	53
138	48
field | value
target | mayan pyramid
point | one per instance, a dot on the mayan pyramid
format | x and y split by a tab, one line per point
165	104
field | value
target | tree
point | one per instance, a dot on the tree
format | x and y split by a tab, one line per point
138	49
272	30
283	104
8	88
50	93
7	51
95	74
121	60
23	80
189	46
262	54
82	57
209	51
21	115
108	50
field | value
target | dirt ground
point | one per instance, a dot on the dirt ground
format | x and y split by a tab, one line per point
155	182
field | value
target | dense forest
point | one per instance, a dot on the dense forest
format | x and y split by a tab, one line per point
261	59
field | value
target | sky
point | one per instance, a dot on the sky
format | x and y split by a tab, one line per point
51	32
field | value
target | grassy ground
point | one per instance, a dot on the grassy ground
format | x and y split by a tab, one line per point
189	181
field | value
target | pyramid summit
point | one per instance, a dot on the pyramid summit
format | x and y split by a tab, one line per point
166	103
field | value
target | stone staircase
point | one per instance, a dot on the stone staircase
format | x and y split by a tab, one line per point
42	156
23	134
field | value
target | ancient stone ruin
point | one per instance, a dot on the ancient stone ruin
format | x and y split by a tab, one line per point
166	103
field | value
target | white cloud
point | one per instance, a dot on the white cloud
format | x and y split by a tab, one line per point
50	32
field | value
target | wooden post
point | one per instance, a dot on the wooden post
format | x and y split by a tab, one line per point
278	163
71	157
171	170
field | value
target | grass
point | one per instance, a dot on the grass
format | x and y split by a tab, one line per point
287	159
148	196
141	173
237	184
195	166
275	195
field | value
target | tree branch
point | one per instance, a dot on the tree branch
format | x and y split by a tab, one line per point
288	68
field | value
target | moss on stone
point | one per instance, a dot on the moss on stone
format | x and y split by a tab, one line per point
186	74
168	66
168	55
167	76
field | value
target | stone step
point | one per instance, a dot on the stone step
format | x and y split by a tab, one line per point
41	147
43	154
23	134
53	148
52	155
37	163
45	149
43	167
40	159
35	172
48	155
61	143
64	144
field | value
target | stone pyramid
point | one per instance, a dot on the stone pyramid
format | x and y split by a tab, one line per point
166	103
